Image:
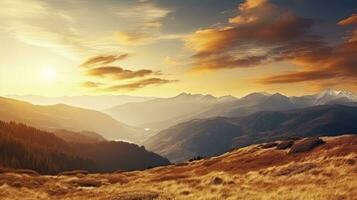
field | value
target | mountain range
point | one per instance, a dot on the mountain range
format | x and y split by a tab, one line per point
166	111
214	136
186	106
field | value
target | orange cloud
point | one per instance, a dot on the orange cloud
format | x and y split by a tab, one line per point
279	35
217	62
334	62
117	73
139	84
351	20
103	60
260	24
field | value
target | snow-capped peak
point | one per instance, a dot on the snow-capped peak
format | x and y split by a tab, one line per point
330	95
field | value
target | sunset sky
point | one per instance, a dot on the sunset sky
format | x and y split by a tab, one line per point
164	47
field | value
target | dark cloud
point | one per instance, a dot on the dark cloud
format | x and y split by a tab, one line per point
118	73
320	62
263	33
249	38
103	60
139	84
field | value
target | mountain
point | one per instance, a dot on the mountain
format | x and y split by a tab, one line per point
329	95
250	173
66	117
26	147
213	136
164	112
85	101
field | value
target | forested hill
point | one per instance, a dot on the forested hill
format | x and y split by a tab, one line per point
25	147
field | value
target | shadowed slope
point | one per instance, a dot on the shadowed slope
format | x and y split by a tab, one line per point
208	137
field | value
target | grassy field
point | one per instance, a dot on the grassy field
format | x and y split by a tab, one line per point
328	171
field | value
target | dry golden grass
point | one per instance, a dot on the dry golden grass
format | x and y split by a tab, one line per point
327	172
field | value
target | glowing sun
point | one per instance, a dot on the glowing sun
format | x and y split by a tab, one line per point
49	74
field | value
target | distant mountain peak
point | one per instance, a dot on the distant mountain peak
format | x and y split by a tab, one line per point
329	95
186	96
227	98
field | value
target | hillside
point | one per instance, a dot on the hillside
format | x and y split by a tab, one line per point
66	117
26	147
214	136
327	171
78	137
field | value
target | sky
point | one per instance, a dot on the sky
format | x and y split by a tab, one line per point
165	47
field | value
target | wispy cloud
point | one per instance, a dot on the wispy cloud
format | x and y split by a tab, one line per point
118	73
103	59
91	84
139	84
64	27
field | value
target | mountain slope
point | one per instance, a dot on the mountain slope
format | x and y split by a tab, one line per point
78	137
25	147
65	117
213	136
248	173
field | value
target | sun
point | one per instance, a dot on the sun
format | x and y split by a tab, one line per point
48	74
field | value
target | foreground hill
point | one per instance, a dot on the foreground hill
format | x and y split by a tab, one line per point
327	171
22	146
65	117
214	136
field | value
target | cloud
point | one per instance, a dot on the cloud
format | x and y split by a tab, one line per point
351	20
118	73
227	61
91	84
131	38
263	33
171	61
298	77
78	29
150	16
322	62
103	60
258	25
336	62
139	84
